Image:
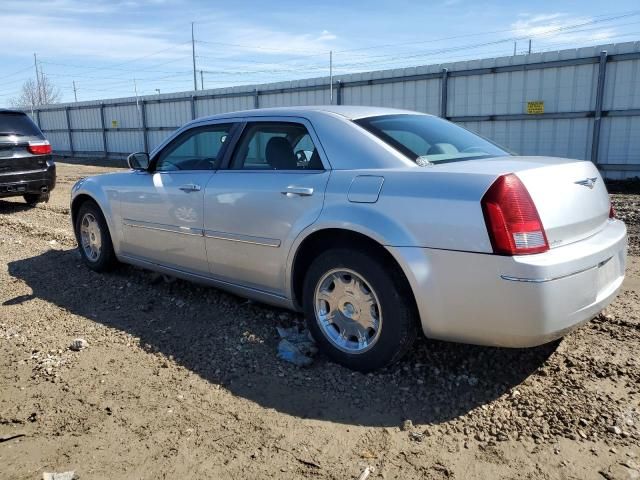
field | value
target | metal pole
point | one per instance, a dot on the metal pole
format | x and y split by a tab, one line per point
145	133
38	119
193	107
515	44
256	98
75	94
201	80
339	92
104	131
529	46
444	80
331	77
66	110
193	54
35	64
597	121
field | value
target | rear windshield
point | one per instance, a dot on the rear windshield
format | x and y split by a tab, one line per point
427	140
18	124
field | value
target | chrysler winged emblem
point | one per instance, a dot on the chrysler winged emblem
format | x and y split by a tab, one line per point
587	182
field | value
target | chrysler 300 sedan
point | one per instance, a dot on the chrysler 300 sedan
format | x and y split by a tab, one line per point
374	222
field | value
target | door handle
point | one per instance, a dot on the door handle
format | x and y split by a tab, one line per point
291	190
190	187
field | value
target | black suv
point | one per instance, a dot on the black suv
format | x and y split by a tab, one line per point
26	166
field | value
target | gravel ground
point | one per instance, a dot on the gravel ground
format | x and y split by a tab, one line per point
180	381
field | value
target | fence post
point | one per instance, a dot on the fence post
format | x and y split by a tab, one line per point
444	80
338	92
104	131
66	111
38	119
256	98
193	107
595	142
145	132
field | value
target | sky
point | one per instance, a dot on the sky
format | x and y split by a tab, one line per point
103	46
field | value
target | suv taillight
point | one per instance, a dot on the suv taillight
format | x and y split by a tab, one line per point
512	219
40	148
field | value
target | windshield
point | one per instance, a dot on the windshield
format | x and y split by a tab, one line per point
427	140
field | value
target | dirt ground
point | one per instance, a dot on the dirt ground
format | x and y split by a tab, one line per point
181	381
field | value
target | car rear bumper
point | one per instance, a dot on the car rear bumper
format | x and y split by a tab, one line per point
34	181
515	301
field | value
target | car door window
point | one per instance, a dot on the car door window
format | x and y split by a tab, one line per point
276	146
195	150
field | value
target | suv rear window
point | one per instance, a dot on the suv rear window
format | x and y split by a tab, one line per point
16	123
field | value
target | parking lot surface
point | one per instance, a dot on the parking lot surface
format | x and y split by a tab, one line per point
182	381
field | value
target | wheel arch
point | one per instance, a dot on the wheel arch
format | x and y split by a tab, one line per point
80	199
321	240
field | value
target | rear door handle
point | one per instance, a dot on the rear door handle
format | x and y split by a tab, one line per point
291	191
190	187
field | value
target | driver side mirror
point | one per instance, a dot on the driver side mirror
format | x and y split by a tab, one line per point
138	161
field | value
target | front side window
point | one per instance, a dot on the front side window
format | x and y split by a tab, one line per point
276	146
426	139
197	150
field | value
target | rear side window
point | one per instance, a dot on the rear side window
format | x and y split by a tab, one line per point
427	140
19	124
276	146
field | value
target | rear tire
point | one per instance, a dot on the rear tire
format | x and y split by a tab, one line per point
94	239
360	310
35	198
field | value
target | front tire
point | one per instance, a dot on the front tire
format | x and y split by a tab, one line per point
359	309
94	240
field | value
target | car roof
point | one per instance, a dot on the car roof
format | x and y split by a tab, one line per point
351	112
8	110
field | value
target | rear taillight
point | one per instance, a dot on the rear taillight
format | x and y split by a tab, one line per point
612	211
40	148
512	219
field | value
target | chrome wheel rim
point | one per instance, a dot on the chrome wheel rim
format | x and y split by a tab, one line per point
348	311
90	237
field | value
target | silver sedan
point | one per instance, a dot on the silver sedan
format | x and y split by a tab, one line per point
376	223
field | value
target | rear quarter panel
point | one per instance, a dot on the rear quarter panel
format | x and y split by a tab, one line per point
417	207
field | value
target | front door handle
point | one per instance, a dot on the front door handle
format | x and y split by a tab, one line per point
291	191
190	187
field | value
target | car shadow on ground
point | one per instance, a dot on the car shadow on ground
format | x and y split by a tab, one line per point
232	342
8	207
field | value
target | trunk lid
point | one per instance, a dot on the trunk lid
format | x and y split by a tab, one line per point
570	195
571	198
15	156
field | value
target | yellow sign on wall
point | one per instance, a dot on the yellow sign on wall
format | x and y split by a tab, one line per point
534	108
114	123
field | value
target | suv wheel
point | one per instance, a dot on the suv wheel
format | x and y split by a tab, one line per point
94	240
360	312
35	198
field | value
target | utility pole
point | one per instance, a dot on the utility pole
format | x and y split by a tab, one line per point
529	46
515	44
201	80
331	77
193	53
158	90
135	89
75	93
35	64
